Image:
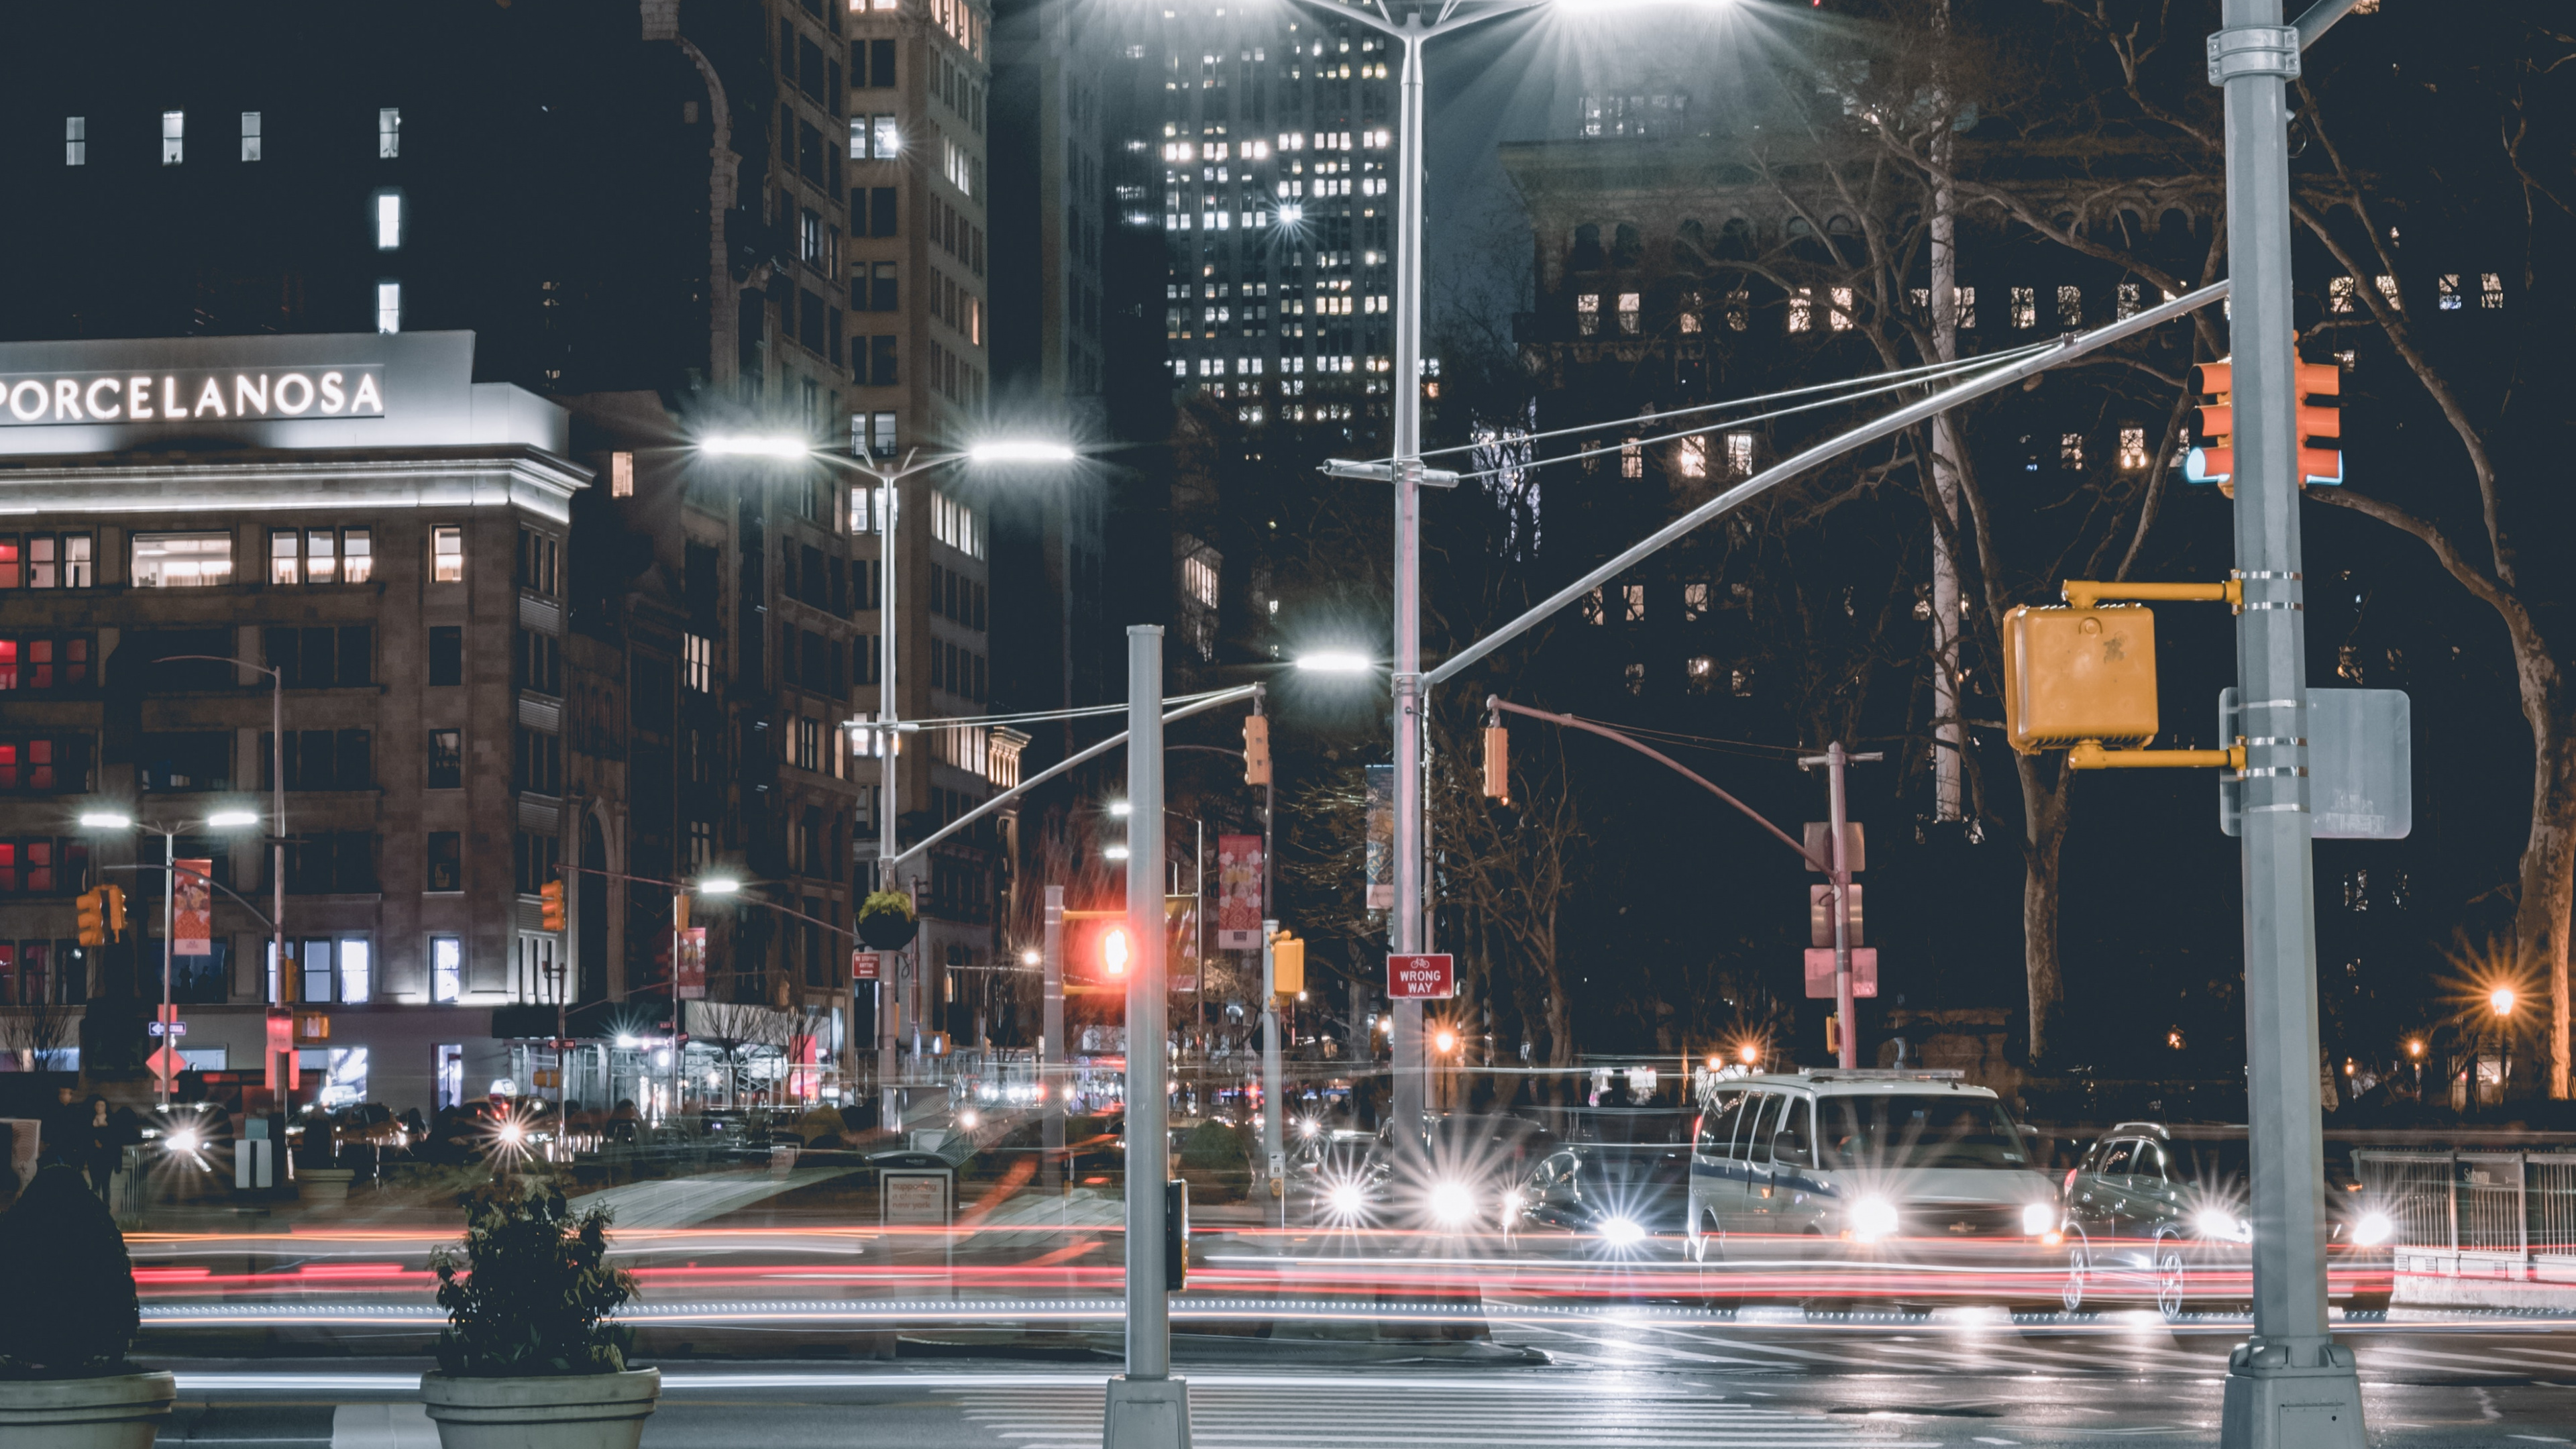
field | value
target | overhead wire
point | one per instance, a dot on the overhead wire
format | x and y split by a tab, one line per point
1041	716
1980	364
1924	373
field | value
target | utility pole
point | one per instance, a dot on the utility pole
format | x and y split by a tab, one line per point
1147	1407
1834	759
1051	1052
1274	1106
1949	737
2290	1384
1405	921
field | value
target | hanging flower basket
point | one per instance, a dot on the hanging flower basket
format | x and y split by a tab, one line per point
886	921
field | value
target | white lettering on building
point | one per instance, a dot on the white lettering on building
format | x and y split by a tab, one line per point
233	395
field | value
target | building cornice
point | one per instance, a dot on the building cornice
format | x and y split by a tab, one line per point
429	478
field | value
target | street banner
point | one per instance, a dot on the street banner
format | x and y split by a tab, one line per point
1820	973
691	971
1421	978
192	909
1238	885
863	966
1381	837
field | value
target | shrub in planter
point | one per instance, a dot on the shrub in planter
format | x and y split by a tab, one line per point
886	922
68	1315
529	1355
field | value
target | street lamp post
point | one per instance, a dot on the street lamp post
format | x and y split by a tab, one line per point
996	451
117	820
277	823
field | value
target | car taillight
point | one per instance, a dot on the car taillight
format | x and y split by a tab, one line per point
2069	1185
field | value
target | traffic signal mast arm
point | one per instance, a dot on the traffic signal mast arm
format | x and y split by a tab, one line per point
1496	702
2084	594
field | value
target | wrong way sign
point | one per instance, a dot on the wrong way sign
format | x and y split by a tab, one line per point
1421	978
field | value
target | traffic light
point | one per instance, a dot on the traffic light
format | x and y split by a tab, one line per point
2320	424
1498	763
1287	965
1114	953
1833	1035
1256	750
93	922
115	911
2215	460
550	906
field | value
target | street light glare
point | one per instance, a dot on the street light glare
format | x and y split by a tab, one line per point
758	445
719	886
106	820
1335	662
1021	450
2500	1000
1115	852
1120	808
232	819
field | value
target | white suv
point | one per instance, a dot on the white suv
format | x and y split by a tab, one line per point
1826	1186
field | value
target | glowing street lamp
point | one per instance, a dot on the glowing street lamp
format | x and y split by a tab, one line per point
1336	661
1021	450
719	886
756	445
2500	1001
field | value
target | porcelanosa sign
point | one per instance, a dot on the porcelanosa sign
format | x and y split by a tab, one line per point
226	394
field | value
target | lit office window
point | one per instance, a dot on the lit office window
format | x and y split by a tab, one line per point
250	135
174	132
887	133
76	140
621	475
357	556
389	223
181	560
697	662
447	554
389	306
446	968
389	132
357	970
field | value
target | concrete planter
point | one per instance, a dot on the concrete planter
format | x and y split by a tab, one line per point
122	1411
573	1411
326	1186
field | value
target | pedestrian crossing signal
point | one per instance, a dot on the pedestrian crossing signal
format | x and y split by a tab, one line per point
1287	965
550	906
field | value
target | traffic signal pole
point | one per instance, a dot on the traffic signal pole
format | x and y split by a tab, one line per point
1051	1052
2290	1384
1147	1408
1274	1105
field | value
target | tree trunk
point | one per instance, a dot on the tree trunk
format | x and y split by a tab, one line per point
2044	816
2540	918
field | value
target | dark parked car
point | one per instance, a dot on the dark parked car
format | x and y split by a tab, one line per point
1464	1176
1607	1197
2159	1214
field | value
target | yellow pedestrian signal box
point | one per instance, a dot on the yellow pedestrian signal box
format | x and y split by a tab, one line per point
2072	675
550	906
1287	965
93	917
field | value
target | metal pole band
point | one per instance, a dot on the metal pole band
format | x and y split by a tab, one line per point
2254	50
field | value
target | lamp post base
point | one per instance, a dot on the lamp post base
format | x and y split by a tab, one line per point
1147	1414
2272	1403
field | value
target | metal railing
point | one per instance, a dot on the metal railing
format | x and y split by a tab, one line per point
2476	1212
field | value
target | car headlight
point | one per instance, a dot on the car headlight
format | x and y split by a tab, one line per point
1873	1217
185	1140
2220	1223
1622	1233
1452	1202
511	1132
2373	1230
2038	1218
1346	1199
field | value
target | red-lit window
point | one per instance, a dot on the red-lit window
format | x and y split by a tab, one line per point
8	969
40	764
33	959
36	867
75	661
9	561
8	664
8	867
9	752
40	663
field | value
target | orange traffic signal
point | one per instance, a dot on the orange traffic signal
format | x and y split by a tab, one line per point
115	911
1498	763
93	917
2320	423
1256	750
2214	461
550	908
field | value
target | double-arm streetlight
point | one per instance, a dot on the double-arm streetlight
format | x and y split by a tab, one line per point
105	820
991	452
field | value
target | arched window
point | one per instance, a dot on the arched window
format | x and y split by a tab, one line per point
1587	248
1627	245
